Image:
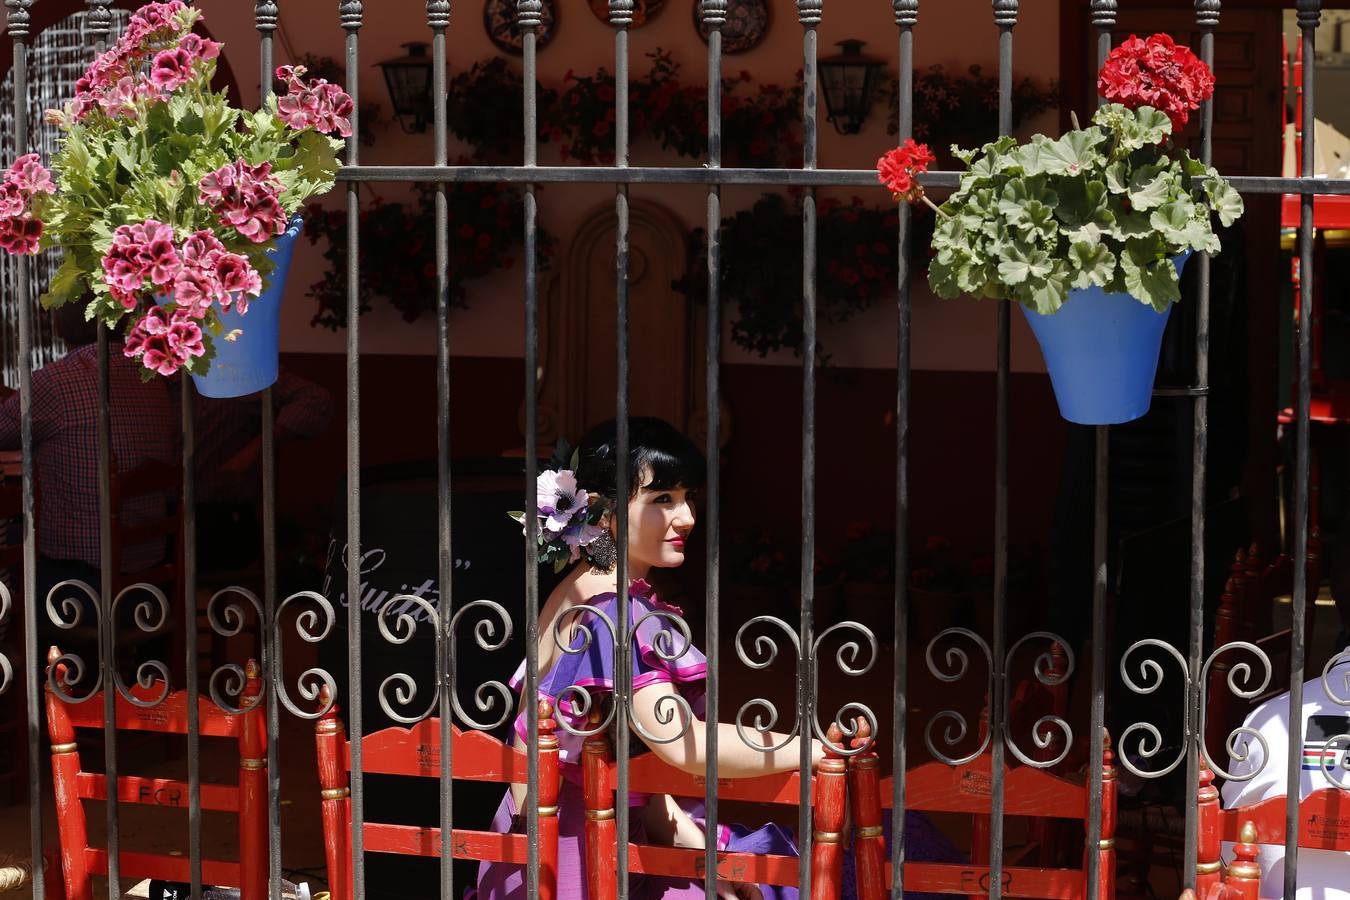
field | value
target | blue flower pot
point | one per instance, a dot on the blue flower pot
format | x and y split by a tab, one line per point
249	363
1102	353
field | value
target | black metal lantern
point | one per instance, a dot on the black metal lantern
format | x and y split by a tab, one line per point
409	81
848	80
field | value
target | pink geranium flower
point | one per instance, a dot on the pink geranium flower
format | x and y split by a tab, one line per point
164	340
316	104
246	198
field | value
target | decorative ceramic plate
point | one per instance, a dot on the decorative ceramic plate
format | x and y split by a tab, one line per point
499	18
747	23
643	10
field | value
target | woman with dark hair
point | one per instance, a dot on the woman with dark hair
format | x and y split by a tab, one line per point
576	656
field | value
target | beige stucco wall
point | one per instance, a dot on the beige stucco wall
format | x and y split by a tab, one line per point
956	335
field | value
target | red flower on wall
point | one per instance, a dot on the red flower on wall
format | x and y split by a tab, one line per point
1157	72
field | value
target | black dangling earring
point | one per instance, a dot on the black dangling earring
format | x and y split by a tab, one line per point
603	553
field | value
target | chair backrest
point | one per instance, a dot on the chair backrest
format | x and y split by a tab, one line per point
80	862
649	774
416	751
1242	881
1245	613
967	788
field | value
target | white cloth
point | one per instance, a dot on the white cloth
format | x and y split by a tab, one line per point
1322	874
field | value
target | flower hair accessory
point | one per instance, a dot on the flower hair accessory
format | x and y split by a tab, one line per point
568	519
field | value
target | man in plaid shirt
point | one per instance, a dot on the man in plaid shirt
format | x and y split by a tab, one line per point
65	451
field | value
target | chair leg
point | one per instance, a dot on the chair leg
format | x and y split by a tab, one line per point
869	846
830	797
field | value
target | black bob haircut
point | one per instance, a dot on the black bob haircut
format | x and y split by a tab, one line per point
655	447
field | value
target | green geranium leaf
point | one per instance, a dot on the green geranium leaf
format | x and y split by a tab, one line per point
1150	187
1095	264
1046	294
1224	200
1147	277
1020	264
1076	151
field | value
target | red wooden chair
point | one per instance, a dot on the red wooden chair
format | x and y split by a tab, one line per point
649	774
415	751
80	862
1245	613
1242	881
938	787
1322	816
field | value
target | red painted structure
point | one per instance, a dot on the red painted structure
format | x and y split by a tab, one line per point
416	751
80	862
649	774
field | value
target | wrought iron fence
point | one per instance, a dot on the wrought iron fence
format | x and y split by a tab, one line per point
315	616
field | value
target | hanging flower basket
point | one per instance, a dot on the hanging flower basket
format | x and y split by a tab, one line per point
173	210
1087	232
1101	350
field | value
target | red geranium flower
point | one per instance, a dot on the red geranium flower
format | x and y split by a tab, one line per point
898	167
1156	72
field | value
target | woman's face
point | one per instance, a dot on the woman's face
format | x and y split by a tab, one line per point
659	521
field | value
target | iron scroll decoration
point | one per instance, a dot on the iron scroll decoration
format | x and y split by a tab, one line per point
6	668
855	657
503	28
745	25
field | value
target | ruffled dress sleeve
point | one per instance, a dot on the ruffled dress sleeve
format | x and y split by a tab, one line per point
661	654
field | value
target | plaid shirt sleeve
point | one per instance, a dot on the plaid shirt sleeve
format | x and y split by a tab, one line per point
46	412
304	408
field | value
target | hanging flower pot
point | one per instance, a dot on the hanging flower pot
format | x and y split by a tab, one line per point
1101	350
246	359
168	203
1088	232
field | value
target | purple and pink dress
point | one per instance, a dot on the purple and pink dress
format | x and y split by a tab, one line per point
592	668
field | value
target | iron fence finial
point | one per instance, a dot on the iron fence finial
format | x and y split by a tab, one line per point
1005	13
350	14
265	14
810	11
529	14
1104	14
906	12
17	19
1207	13
1309	13
714	13
621	13
100	19
438	13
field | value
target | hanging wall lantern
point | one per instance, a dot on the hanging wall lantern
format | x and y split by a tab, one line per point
409	81
848	79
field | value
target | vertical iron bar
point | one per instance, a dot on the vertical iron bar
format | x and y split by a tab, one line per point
906	17
350	15
1309	14
1207	18
621	16
1103	19
16	23
1005	16
189	499
438	19
809	13
266	16
529	15
714	17
100	24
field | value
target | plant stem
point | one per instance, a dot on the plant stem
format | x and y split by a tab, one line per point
933	206
1073	118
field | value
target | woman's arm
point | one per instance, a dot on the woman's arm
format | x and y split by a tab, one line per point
689	752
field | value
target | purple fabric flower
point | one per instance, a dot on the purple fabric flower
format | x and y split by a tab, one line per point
558	499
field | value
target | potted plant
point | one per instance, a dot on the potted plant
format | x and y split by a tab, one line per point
1088	233
175	212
